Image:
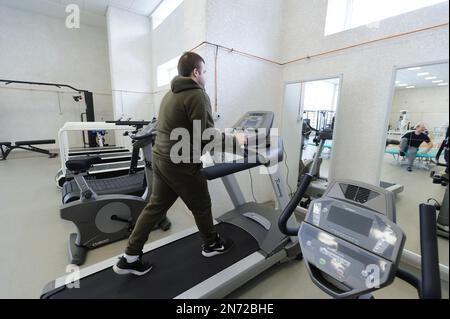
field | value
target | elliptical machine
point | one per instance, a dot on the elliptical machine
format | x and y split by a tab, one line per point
103	219
352	246
442	207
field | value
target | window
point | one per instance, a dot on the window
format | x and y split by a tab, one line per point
167	71
164	10
348	14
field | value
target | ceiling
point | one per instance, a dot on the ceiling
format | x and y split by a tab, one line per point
143	7
422	77
93	11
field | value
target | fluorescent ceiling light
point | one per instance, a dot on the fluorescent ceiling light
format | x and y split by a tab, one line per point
414	69
423	73
438	81
442	84
403	85
411	87
431	78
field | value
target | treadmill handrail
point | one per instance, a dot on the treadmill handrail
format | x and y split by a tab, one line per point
221	170
252	158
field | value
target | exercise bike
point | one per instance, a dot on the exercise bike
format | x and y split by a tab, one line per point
103	219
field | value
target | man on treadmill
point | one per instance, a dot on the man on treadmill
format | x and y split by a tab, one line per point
186	102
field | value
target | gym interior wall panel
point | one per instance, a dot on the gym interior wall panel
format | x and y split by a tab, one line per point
429	105
367	70
181	31
304	27
130	55
244	83
35	47
291	131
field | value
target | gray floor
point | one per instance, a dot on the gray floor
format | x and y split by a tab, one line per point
34	239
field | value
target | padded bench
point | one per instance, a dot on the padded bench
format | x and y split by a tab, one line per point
7	147
423	161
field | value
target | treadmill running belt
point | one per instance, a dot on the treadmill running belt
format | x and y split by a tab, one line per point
177	267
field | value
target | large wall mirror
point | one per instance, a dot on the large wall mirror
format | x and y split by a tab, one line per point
309	106
418	133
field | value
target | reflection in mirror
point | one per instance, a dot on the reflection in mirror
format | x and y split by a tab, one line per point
309	109
416	154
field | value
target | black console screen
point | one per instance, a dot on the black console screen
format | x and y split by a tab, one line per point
352	221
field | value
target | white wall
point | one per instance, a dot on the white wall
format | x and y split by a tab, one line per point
39	48
130	43
245	84
183	30
428	105
367	74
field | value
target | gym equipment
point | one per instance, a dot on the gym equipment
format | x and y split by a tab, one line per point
423	160
7	147
98	151
107	157
134	183
180	269
103	219
352	246
403	124
86	95
442	221
443	208
320	120
114	160
319	184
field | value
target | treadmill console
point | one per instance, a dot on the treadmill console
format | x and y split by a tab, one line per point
349	248
254	121
260	150
256	125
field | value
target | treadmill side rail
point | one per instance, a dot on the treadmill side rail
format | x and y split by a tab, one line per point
228	280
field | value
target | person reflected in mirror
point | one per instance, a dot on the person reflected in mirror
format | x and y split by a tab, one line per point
411	141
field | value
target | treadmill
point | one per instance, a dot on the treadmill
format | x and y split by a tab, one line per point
115	160
79	151
134	183
180	271
105	158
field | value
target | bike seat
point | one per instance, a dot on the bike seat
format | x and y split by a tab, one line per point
82	165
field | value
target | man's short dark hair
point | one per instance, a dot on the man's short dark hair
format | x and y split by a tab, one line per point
188	62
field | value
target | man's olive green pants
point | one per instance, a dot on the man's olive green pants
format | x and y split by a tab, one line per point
171	181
